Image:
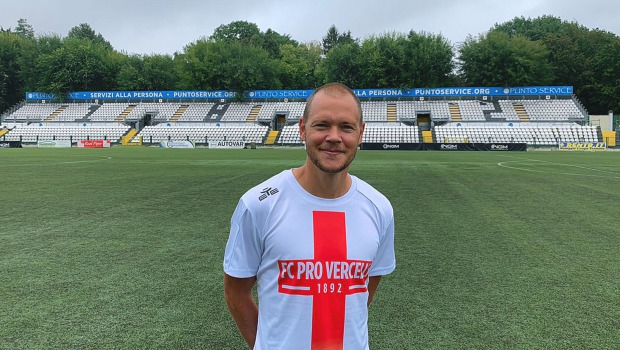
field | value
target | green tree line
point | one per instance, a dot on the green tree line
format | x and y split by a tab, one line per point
240	56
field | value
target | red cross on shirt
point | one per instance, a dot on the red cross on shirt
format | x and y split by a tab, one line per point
328	278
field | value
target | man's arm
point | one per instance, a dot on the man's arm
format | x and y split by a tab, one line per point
373	282
242	306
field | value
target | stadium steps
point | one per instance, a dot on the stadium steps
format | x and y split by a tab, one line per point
127	139
427	136
609	137
523	117
391	113
455	112
55	114
179	113
271	138
496	109
254	114
92	109
121	117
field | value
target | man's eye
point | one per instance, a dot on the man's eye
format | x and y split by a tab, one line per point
348	128
320	126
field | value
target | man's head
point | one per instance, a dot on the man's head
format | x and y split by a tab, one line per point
336	90
332	127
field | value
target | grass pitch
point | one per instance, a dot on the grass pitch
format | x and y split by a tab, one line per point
122	248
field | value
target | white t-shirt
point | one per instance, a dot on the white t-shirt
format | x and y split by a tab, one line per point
312	258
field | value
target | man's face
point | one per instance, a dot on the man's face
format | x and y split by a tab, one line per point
332	132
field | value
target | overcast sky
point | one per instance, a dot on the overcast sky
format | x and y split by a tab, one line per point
165	27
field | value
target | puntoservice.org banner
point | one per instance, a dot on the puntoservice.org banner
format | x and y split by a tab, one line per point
304	94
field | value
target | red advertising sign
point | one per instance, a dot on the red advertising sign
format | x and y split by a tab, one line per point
94	143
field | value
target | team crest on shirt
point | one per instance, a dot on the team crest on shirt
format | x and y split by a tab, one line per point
266	192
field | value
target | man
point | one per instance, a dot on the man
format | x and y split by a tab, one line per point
315	239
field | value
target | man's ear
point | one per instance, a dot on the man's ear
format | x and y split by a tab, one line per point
302	129
362	128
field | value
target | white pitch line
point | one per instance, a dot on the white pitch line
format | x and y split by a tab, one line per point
86	161
524	160
44	164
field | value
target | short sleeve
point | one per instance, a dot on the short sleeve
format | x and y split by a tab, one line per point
385	260
243	252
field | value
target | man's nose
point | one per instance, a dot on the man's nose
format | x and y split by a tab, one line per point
333	134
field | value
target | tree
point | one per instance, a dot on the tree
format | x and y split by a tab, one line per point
79	65
333	38
241	31
533	29
344	64
85	32
298	65
24	29
383	61
578	56
430	60
272	42
391	60
158	72
30	50
330	40
497	59
221	65
129	74
10	78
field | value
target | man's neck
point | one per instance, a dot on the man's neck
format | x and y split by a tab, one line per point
321	184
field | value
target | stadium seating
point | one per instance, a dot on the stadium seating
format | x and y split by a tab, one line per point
238	112
374	111
544	134
204	132
32	112
108	112
507	112
438	110
471	111
374	132
292	110
553	110
534	121
390	132
196	112
159	111
289	135
67	131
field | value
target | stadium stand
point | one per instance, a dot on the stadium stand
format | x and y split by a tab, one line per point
292	110
161	112
32	112
238	112
374	132
543	134
374	111
108	112
535	120
67	131
204	132
196	112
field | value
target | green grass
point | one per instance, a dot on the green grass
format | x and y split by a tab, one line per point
122	248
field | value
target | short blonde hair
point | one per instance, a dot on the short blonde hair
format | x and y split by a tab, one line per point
335	90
